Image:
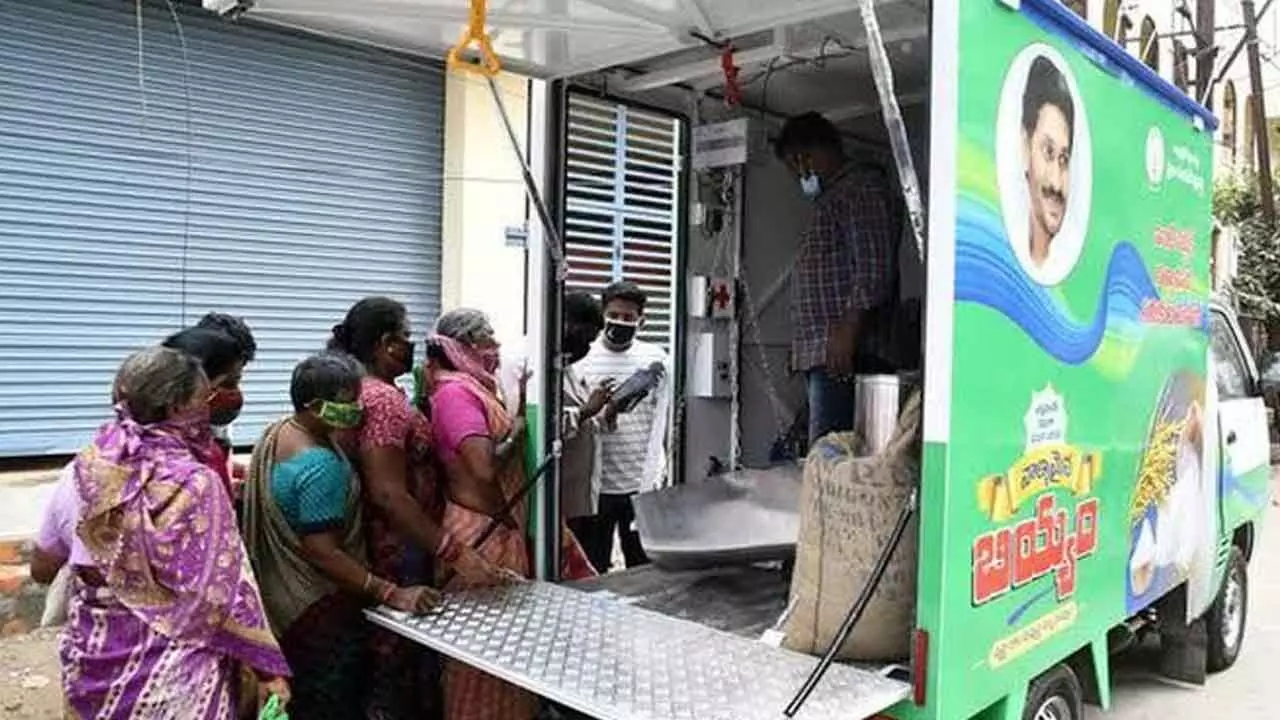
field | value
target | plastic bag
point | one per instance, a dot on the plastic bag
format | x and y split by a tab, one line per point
273	710
55	600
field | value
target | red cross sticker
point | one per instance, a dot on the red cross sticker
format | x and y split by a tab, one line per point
720	296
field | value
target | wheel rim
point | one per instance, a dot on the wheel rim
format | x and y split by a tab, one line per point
1232	611
1054	708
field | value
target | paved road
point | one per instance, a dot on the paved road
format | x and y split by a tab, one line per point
1249	690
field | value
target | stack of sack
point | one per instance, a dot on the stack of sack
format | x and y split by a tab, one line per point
849	505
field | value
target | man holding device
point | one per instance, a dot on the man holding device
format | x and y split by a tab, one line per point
634	447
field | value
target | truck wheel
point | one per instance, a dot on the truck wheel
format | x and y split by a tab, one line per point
1227	616
1056	695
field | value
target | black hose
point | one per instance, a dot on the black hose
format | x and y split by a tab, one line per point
496	520
855	612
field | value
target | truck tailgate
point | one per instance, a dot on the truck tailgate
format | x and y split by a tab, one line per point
613	661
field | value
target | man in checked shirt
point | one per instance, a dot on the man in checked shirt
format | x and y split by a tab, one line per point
844	289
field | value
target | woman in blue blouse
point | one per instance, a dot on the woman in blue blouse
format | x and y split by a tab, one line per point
304	535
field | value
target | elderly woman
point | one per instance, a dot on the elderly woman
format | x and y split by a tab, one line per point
164	610
302	525
401	494
480	445
220	358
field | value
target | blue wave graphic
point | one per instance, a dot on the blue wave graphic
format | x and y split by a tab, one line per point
988	273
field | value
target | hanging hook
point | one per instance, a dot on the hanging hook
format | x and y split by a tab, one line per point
488	63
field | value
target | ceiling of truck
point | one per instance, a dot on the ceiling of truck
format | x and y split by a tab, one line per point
792	56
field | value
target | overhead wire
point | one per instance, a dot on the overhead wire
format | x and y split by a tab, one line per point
189	155
188	132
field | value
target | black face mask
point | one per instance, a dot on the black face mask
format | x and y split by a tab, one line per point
409	348
620	334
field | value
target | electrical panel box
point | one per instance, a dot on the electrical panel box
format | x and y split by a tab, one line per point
699	289
709	366
721	144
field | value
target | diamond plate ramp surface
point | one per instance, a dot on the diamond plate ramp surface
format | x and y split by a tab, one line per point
617	662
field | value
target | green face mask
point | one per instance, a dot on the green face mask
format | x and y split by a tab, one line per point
340	415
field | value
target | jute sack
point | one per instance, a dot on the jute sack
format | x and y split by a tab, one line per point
848	508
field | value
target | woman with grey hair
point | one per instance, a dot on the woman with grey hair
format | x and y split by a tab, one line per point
163	611
302	524
481	446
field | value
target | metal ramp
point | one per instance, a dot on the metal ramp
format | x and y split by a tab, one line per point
612	661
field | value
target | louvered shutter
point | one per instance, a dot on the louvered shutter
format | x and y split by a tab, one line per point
622	195
314	171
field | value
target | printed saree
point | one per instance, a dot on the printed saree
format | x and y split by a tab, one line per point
469	693
322	629
178	613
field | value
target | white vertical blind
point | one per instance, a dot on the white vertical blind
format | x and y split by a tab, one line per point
622	204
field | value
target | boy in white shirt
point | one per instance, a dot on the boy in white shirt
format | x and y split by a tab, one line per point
633	453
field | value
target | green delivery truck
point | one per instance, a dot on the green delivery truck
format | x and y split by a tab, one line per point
1095	457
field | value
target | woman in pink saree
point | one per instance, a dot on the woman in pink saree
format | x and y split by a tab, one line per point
481	447
165	612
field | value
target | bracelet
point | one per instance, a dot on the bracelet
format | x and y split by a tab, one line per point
449	549
368	580
387	591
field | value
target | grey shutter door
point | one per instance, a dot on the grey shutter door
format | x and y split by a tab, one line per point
622	199
306	175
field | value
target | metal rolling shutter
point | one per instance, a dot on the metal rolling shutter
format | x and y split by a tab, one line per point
314	172
621	203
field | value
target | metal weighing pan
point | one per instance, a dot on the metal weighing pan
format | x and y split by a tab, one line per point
740	517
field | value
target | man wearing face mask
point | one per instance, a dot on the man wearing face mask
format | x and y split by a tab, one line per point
229	403
633	450
844	286
581	423
221	358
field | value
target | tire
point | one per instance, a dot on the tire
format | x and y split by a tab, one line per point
1229	615
1056	695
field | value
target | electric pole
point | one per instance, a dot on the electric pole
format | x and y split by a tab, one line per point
1206	45
1261	138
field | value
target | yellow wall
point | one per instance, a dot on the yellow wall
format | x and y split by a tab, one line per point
483	195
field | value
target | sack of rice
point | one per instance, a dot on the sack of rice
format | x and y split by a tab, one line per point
849	506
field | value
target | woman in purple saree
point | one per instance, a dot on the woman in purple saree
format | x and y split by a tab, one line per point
168	613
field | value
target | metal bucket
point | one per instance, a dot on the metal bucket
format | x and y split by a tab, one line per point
877	401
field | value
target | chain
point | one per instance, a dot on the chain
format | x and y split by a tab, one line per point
781	412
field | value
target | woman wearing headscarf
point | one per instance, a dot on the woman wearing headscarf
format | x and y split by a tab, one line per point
302	525
402	501
218	354
480	446
167	610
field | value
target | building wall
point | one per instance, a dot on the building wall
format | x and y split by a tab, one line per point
483	196
1123	20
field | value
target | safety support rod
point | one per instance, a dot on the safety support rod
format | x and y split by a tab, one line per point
551	233
882	71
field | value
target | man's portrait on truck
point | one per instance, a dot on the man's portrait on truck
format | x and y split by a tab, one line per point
1048	128
1044	164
